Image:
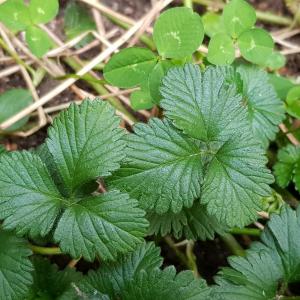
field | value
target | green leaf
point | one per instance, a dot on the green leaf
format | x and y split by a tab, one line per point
293	102
12	102
265	110
2	149
281	85
111	278
86	142
50	283
256	45
103	225
276	61
15	14
284	169
129	67
38	41
163	168
178	32
238	16
191	223
15	267
221	50
269	265
213	24
141	100
43	11
29	200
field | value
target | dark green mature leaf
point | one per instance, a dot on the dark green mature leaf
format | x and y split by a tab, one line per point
43	11
265	110
2	149
15	267
103	225
50	283
178	32
29	199
163	168
86	143
192	223
268	265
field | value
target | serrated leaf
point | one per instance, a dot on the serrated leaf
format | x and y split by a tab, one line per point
12	102
50	283
15	267
37	40
265	110
178	32
293	102
129	67
163	168
43	11
29	200
191	223
238	16
2	149
15	14
111	278
256	45
86	143
213	24
103	225
221	50
269	265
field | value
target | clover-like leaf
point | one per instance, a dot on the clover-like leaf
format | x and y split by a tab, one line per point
15	267
43	11
163	168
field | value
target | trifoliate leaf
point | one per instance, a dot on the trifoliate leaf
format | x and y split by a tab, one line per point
269	266
265	110
129	67
12	102
221	50
192	223
293	102
178	32
111	278
281	84
50	283
29	199
284	169
276	61
213	24
256	45
15	267
15	14
37	40
86	143
141	100
238	16
43	11
163	168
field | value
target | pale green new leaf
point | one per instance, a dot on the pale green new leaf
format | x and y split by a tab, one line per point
163	168
15	267
104	225
29	199
86	142
43	11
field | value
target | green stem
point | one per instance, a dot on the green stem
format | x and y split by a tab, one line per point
188	3
233	245
246	231
45	250
263	16
192	258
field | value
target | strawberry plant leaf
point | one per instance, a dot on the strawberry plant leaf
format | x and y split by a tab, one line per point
221	50
163	168
238	16
43	11
178	32
29	200
15	14
103	225
74	148
37	40
2	149
293	102
15	267
129	67
256	45
12	102
268	265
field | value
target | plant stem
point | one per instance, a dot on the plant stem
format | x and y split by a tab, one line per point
247	231
45	250
188	3
263	16
233	245
192	258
